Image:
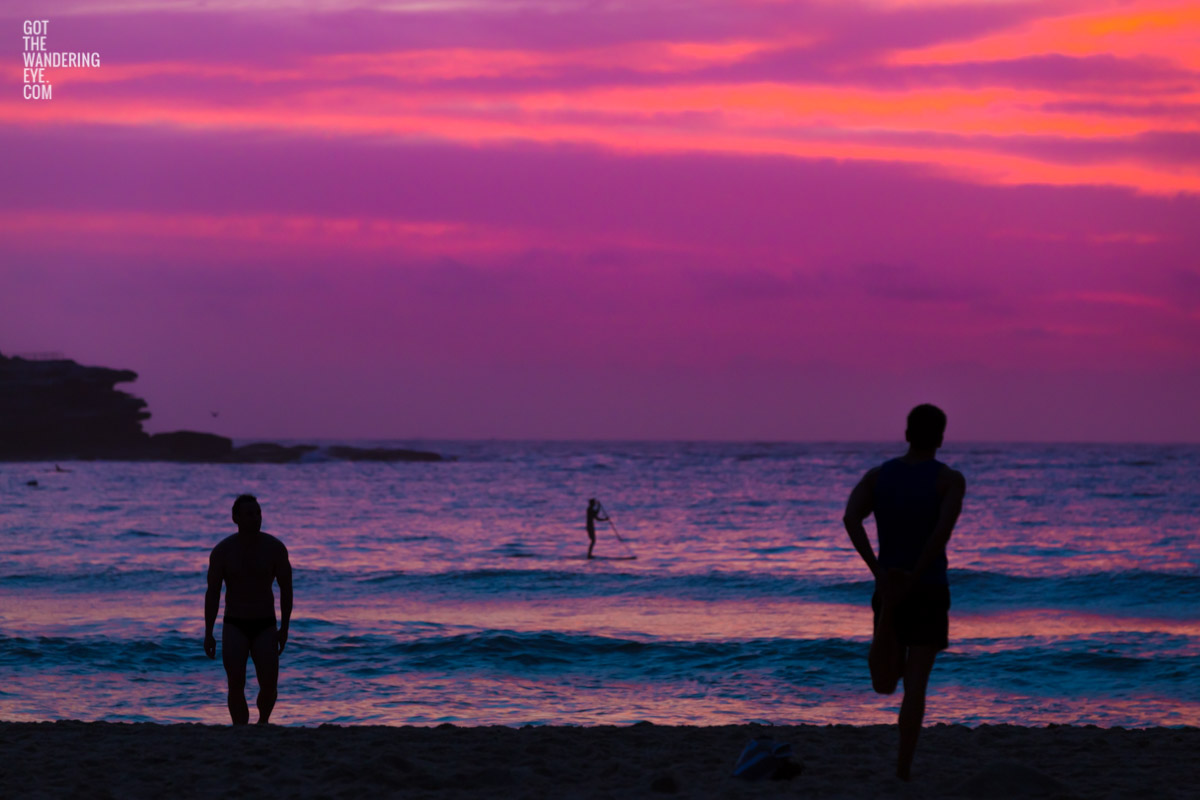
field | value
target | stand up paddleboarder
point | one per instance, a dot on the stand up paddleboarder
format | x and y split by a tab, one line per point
594	512
916	500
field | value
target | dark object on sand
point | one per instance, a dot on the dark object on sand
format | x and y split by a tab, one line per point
31	483
664	784
767	758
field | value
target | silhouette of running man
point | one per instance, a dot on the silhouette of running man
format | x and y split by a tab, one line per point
248	563
594	512
916	500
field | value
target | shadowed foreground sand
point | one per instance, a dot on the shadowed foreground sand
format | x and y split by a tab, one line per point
100	759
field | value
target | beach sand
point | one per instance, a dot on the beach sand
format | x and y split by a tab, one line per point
103	759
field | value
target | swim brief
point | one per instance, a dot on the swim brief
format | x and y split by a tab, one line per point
251	626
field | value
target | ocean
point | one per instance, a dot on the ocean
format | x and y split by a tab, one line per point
458	592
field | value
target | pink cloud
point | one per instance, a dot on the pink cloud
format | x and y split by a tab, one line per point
865	82
744	221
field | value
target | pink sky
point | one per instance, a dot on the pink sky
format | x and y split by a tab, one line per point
711	220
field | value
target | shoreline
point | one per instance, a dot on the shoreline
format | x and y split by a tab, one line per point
100	759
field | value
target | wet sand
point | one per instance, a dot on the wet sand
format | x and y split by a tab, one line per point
101	759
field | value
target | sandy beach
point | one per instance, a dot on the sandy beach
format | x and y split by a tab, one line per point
100	759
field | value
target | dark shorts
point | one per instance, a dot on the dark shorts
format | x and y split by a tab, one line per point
923	617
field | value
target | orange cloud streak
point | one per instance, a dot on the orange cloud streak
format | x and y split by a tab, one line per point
127	229
920	126
1154	30
994	111
135	231
326	113
460	62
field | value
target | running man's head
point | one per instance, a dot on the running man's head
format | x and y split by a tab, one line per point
247	514
926	427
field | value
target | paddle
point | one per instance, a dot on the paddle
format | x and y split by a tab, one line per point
617	533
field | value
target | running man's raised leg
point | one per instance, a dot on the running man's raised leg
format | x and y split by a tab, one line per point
912	710
265	652
886	657
235	647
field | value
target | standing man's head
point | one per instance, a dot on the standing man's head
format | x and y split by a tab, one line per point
246	514
926	427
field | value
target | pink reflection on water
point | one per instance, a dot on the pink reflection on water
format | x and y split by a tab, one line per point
29	612
980	633
157	697
662	619
33	612
430	698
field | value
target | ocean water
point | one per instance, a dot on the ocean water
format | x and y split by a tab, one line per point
458	592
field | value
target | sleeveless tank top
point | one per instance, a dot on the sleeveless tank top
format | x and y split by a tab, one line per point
906	512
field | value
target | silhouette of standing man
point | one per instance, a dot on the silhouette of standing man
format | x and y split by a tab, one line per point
916	500
594	512
249	562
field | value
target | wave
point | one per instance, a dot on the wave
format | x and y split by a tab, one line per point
1084	666
1139	592
1131	590
440	649
103	578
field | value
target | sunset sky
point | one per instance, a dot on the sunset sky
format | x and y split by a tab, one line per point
705	219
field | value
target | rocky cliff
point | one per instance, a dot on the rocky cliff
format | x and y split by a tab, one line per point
59	409
53	409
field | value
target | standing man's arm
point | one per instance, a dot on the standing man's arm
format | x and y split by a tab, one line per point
283	574
212	601
952	500
858	508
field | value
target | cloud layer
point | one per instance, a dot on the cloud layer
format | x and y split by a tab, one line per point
724	220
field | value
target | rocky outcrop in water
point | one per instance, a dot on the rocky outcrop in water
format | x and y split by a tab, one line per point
53	409
346	453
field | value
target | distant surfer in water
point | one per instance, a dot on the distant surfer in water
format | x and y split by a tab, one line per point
594	512
916	500
249	562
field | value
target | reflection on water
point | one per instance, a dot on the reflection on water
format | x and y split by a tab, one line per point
424	698
457	592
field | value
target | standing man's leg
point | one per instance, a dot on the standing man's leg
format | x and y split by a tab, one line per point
912	710
235	647
265	652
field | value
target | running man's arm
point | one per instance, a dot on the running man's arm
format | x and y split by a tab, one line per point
283	574
212	601
858	508
952	501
